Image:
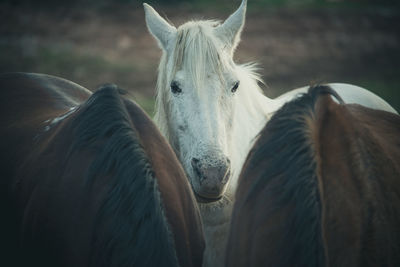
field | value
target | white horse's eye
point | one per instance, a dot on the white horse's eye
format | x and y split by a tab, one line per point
175	88
235	87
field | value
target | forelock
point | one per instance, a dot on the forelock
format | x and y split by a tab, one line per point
197	51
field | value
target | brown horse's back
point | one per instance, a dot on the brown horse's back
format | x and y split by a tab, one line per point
359	163
321	187
89	181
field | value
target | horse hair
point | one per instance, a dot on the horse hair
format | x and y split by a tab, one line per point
316	91
131	228
283	150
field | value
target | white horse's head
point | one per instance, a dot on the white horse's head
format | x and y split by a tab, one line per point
198	85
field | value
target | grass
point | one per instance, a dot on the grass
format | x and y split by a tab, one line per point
59	60
86	69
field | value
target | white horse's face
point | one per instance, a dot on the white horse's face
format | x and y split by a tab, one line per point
196	96
200	127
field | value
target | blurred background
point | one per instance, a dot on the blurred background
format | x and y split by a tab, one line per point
296	42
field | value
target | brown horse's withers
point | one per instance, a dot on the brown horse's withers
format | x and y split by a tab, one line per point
321	187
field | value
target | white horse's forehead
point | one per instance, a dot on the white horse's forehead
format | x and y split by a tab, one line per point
183	76
199	51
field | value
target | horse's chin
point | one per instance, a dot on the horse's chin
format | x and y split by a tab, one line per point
216	213
206	200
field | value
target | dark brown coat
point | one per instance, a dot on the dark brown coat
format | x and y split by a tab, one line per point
321	187
88	180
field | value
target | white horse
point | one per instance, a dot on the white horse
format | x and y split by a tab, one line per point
210	109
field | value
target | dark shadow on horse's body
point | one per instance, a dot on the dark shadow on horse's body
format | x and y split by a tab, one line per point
321	187
87	180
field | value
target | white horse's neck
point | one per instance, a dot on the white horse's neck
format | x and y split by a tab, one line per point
253	110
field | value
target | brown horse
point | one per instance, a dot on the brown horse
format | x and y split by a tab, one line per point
87	180
321	187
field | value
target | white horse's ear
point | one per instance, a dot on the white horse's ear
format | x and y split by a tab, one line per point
231	29
159	27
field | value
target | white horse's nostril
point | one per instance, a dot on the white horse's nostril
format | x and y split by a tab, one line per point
197	169
196	164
